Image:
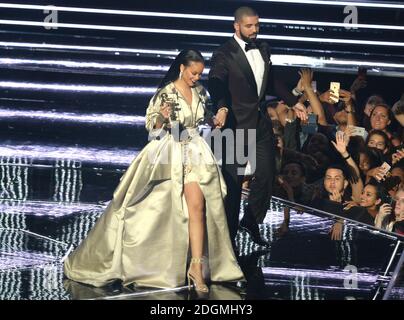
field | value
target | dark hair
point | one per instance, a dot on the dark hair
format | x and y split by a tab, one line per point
348	190
374	155
244	11
298	163
347	171
382	134
375	100
398	107
185	57
381	192
385	106
338	167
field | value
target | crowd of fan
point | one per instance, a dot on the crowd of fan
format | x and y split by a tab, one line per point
340	155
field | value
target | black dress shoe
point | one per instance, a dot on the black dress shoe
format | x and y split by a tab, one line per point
252	229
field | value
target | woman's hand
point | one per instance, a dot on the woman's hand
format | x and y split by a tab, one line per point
165	110
385	209
336	231
349	204
377	173
306	76
341	143
397	156
346	96
326	97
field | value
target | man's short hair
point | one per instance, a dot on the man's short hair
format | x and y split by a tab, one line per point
244	11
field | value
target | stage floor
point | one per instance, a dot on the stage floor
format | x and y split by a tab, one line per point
48	206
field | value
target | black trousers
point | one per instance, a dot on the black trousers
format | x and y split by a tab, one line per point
261	184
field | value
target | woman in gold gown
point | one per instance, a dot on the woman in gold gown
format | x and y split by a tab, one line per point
168	209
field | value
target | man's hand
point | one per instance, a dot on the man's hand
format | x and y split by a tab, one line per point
336	196
300	111
220	119
286	186
359	83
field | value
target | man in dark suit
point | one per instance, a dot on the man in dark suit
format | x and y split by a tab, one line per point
240	76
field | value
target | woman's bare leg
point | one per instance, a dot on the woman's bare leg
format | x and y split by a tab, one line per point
195	202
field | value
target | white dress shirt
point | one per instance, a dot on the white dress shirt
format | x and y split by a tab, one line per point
256	62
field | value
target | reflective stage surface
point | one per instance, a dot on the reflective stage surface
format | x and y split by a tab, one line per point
72	109
47	209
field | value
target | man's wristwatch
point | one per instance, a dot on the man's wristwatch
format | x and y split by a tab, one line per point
296	92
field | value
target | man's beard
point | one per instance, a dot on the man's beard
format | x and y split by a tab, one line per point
246	39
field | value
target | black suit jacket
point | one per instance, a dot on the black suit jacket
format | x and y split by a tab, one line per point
232	84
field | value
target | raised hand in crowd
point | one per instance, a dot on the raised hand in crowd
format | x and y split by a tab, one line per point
359	83
300	111
397	156
346	96
384	210
340	144
326	97
377	173
306	77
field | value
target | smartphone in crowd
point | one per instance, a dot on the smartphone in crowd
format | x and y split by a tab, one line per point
386	168
359	131
334	88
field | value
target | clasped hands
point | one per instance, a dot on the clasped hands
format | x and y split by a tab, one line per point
219	120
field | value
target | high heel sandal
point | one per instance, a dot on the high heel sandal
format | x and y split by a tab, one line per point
198	287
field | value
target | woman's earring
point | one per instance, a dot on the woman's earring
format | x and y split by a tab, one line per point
180	74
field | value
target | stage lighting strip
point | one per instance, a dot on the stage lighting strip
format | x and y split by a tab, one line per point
98	118
286	59
79	64
384	5
216	17
196	33
111	156
277	59
77	88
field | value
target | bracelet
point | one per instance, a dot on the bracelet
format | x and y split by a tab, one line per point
347	157
296	92
223	108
